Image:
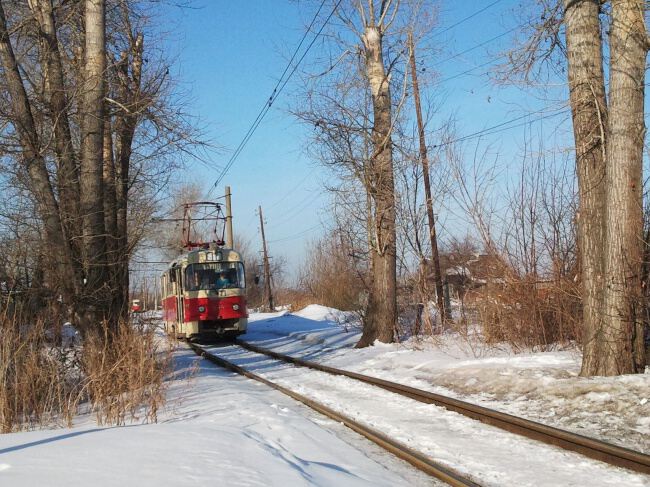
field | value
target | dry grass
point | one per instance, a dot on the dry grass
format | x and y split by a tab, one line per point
124	373
37	384
528	315
117	376
296	298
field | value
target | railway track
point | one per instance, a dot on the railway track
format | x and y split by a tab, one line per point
599	450
596	449
398	449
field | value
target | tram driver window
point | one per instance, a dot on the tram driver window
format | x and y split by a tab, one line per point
214	276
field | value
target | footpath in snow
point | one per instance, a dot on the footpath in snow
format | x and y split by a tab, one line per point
222	429
217	429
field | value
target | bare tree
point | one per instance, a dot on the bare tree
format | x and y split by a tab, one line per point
608	133
381	313
354	106
589	111
97	283
89	132
621	344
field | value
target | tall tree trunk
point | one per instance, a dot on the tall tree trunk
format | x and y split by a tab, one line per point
110	221
35	166
96	291
125	125
67	170
589	112
624	234
381	314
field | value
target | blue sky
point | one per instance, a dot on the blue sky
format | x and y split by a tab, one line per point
230	54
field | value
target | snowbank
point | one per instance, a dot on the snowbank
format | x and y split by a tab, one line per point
542	386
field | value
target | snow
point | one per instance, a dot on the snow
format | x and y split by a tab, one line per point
227	430
542	386
219	428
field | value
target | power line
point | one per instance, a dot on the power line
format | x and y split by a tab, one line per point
437	63
281	84
470	16
458	75
292	189
279	87
492	130
297	235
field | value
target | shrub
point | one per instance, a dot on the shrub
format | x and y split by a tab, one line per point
528	314
45	380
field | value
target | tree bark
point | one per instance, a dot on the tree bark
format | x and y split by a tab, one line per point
96	291
589	112
125	125
113	257
381	314
67	170
624	235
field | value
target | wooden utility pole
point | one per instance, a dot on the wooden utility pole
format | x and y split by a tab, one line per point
427	189
268	294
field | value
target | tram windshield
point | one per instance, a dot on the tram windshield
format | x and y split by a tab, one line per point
214	276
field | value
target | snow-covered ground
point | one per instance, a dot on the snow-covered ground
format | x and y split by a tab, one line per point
219	429
222	429
542	386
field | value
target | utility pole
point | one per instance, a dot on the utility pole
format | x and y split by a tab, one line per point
145	294
155	294
268	295
229	234
427	189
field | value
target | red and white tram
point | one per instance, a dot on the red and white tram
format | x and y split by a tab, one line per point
204	294
204	290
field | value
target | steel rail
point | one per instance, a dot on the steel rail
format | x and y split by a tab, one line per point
589	447
417	459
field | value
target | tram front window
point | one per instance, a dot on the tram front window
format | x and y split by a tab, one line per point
214	276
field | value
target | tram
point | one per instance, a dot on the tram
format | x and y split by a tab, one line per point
204	294
203	291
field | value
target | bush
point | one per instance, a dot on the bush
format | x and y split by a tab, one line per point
331	277
45	380
528	314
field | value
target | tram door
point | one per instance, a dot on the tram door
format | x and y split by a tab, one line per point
179	299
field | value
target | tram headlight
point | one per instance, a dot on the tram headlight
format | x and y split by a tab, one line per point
201	309
235	307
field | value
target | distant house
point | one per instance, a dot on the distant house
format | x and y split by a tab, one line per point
463	273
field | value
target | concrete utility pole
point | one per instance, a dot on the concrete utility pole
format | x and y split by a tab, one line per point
268	294
229	234
427	189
